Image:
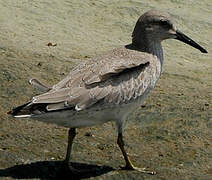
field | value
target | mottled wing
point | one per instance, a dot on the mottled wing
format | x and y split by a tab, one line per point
101	68
114	78
134	83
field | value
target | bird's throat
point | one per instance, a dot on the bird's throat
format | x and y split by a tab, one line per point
155	48
152	47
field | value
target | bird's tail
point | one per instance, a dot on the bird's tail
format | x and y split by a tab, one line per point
28	109
20	111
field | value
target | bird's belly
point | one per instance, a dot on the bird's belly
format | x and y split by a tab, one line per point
79	119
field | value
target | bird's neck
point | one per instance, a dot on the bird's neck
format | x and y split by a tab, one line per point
154	48
150	45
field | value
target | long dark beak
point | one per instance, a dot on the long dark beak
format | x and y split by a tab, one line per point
182	37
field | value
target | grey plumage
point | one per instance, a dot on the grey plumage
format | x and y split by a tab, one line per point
117	77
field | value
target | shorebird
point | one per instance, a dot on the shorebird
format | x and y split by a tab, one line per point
110	86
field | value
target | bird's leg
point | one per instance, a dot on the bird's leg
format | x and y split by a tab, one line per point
120	142
71	136
129	165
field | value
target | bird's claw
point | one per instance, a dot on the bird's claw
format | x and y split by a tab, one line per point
142	170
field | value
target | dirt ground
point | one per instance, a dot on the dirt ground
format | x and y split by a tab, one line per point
171	133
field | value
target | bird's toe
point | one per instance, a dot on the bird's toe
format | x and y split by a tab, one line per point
142	170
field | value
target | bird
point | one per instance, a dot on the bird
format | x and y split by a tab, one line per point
107	87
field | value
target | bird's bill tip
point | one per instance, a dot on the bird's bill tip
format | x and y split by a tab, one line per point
182	37
204	51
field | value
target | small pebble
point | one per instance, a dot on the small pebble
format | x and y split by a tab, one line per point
39	64
51	44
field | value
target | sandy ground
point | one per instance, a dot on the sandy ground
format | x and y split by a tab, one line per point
171	134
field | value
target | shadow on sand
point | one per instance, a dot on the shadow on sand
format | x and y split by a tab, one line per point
52	170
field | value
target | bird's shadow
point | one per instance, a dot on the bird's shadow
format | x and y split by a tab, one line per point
52	170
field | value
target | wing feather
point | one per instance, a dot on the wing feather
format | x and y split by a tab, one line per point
116	77
52	96
103	67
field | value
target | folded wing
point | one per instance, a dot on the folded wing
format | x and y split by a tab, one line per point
113	78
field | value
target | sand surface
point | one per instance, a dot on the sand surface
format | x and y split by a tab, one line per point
171	134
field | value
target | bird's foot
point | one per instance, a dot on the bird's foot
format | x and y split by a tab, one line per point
142	170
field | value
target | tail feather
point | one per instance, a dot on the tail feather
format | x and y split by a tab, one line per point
28	109
19	110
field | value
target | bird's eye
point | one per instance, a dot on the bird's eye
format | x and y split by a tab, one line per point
162	22
165	23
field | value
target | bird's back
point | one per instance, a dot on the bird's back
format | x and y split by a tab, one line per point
120	78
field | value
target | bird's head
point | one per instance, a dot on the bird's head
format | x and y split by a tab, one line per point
155	25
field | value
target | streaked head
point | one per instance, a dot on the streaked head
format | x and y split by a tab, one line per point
155	25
